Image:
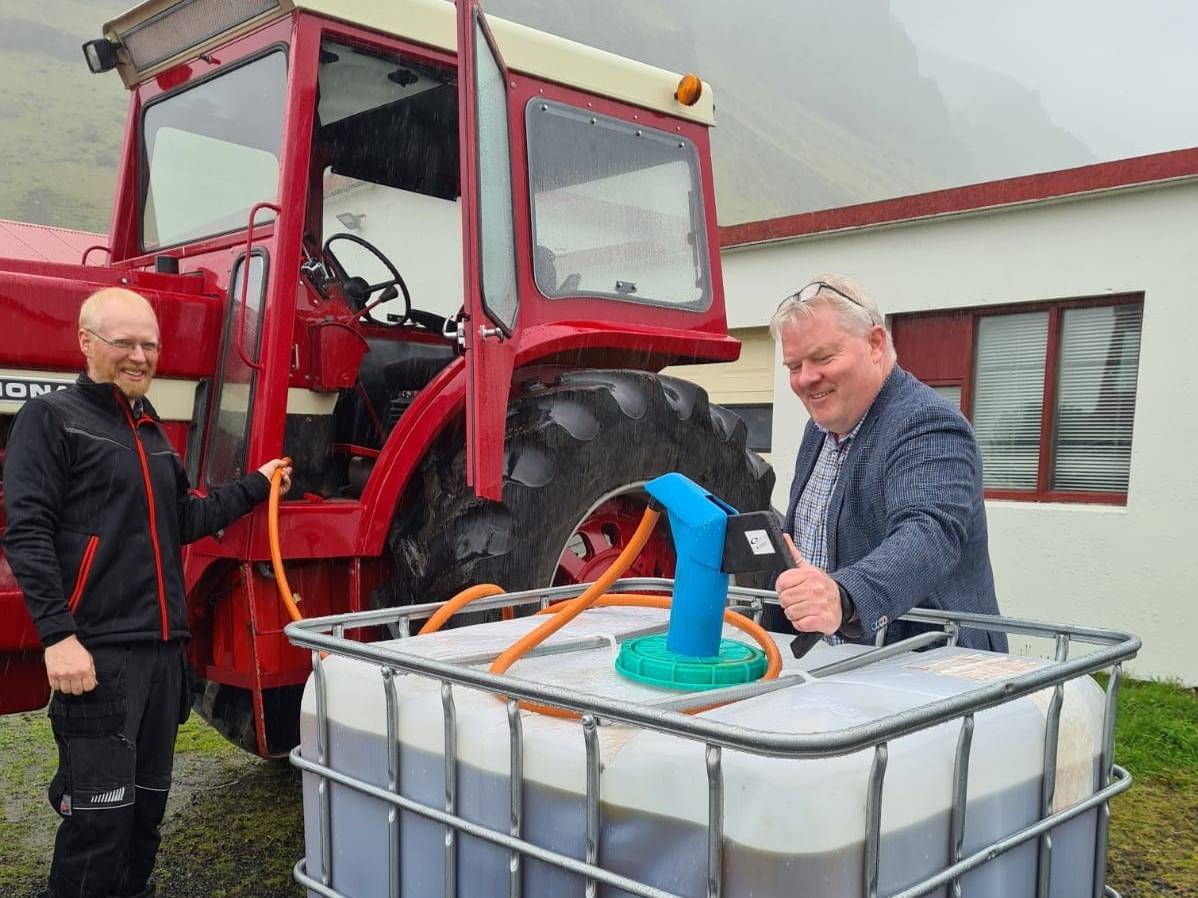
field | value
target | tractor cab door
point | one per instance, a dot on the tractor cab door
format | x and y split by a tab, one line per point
488	246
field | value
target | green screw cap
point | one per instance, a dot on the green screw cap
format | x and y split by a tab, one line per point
647	660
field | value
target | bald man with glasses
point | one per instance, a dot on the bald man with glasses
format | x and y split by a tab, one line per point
886	511
98	509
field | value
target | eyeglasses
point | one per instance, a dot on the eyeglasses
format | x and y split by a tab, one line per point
812	290
149	348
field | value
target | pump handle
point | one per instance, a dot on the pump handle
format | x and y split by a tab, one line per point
803	642
753	542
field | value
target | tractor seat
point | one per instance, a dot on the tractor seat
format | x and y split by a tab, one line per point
410	361
390	368
392	373
414	372
408	376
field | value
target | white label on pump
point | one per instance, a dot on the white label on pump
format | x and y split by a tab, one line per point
759	542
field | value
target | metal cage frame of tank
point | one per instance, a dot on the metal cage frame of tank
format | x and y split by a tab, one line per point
326	635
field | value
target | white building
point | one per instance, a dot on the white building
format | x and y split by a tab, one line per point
1058	309
1061	309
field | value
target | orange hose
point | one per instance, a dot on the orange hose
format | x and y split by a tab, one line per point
276	560
567	612
562	613
276	555
773	657
577	605
633	600
596	596
450	608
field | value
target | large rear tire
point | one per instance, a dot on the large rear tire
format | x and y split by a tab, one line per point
578	453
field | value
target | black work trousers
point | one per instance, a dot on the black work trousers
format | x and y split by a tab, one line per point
116	747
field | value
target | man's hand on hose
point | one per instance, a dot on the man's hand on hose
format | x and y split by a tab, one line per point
808	596
268	471
69	667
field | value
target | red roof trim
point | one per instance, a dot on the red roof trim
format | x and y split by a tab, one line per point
1024	189
42	243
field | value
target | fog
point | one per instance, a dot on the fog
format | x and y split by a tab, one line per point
819	103
1119	76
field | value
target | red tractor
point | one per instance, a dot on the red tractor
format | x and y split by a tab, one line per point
443	286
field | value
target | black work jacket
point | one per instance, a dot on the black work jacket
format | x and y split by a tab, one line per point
98	508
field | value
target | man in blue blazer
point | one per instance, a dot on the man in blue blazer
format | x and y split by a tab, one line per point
886	506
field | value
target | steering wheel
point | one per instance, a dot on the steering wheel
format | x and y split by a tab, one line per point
358	291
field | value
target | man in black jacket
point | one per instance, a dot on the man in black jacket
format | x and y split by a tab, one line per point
98	509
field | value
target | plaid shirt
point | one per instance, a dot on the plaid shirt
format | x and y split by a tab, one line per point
811	514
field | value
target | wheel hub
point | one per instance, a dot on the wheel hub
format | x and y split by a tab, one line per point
603	535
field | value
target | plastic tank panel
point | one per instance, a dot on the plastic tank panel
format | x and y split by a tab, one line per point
787	823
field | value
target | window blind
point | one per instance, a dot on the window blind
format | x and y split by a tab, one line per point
1096	398
1008	397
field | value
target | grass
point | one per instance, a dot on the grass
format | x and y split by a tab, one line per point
26	827
1157	733
233	829
234	825
1154	826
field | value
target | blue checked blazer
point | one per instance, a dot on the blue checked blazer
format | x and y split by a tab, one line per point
906	522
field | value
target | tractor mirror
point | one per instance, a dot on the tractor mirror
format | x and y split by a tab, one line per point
100	55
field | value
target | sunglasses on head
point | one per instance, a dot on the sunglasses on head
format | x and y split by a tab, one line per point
813	289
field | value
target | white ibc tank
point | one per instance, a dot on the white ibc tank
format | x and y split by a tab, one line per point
790	826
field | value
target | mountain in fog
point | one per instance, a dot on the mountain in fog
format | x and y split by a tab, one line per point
819	103
62	125
1003	123
823	103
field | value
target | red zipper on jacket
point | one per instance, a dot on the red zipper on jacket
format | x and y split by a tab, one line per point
145	473
85	566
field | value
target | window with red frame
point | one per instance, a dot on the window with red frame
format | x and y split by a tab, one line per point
1049	387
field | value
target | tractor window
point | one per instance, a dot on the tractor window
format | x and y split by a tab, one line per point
229	430
497	239
386	140
617	209
421	234
212	152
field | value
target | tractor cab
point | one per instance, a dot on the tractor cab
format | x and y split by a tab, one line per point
324	161
437	261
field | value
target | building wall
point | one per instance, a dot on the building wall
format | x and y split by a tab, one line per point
1133	567
748	380
421	235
